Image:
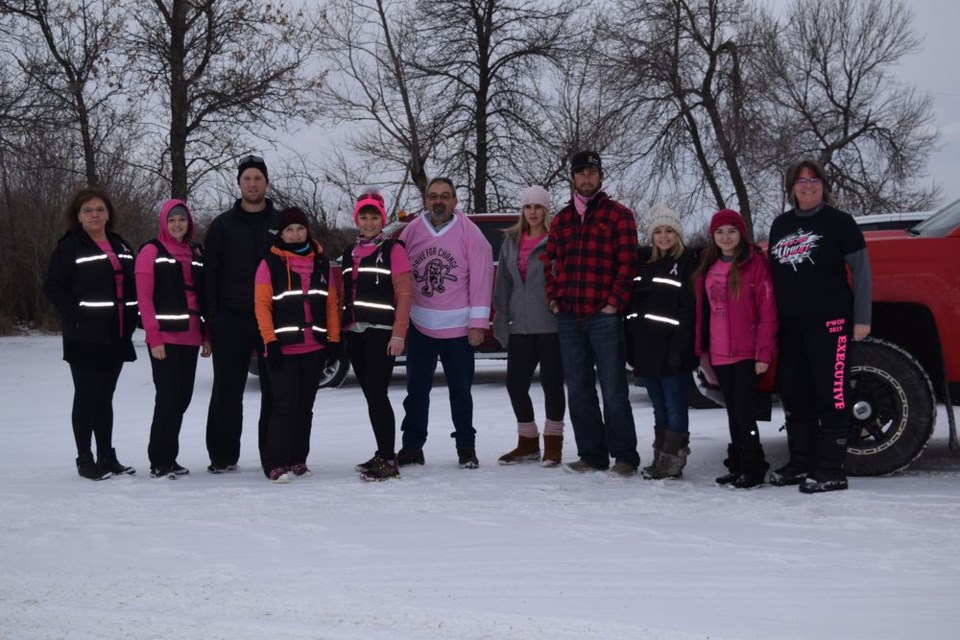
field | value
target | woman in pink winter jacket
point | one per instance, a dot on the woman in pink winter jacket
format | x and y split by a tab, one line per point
736	330
169	275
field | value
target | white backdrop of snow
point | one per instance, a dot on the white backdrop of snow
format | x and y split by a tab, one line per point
500	552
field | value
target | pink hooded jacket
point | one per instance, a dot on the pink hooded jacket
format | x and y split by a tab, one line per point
146	259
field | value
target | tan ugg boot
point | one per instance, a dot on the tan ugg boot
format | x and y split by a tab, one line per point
528	450
552	451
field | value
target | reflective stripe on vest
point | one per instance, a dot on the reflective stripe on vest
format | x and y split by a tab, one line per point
310	292
89	303
650	316
670	281
373	305
101	256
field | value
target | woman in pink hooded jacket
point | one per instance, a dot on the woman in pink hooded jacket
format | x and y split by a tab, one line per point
169	275
736	329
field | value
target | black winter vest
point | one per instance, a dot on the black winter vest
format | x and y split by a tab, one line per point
289	320
81	283
372	280
170	290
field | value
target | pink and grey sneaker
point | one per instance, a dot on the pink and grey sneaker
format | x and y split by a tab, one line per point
300	470
279	476
381	469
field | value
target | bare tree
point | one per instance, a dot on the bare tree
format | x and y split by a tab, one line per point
221	71
366	46
492	52
680	63
64	49
838	101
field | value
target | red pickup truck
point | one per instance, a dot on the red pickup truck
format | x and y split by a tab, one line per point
912	359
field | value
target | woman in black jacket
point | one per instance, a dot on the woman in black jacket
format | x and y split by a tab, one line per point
661	327
91	284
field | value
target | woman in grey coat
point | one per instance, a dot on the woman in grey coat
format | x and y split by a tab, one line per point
525	327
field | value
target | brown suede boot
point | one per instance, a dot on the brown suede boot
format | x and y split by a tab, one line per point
552	451
528	450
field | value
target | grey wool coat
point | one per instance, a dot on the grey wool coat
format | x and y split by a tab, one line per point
521	306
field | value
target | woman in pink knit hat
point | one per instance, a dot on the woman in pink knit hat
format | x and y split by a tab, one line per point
525	326
378	292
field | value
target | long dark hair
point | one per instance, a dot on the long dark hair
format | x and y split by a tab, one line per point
712	253
71	219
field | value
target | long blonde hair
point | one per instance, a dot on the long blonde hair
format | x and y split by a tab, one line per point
521	227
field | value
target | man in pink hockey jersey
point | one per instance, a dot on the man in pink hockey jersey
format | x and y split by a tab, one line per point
452	265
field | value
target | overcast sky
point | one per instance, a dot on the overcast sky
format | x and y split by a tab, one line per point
934	69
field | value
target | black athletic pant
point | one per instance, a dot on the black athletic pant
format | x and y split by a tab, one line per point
738	383
524	353
813	371
374	368
234	337
93	386
173	378
291	421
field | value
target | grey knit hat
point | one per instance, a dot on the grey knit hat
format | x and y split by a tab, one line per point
663	216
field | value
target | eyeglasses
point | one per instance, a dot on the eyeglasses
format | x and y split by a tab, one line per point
808	181
440	196
251	159
92	210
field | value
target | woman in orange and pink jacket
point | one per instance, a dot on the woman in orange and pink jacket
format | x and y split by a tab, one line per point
298	312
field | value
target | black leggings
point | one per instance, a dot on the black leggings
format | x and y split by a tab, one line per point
524	353
291	417
173	378
93	387
374	368
738	383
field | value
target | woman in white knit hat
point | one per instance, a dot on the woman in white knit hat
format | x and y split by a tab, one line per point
661	329
525	326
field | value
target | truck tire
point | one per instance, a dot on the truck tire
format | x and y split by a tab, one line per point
334	375
892	406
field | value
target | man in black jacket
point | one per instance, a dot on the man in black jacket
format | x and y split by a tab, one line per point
235	243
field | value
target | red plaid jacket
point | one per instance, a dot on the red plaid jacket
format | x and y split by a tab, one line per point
594	261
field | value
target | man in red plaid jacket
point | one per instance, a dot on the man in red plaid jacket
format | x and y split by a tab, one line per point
592	249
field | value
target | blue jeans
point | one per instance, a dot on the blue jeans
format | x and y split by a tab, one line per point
591	348
669	397
456	356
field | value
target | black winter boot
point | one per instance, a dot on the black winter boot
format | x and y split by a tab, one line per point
753	469
110	463
801	441
828	474
732	463
89	469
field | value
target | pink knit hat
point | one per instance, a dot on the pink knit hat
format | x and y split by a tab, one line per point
373	199
728	216
535	194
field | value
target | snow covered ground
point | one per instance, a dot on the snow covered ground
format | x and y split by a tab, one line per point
499	552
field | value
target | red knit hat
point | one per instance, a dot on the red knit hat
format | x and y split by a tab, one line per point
370	199
728	216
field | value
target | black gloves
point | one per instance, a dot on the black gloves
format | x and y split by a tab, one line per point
275	355
334	352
